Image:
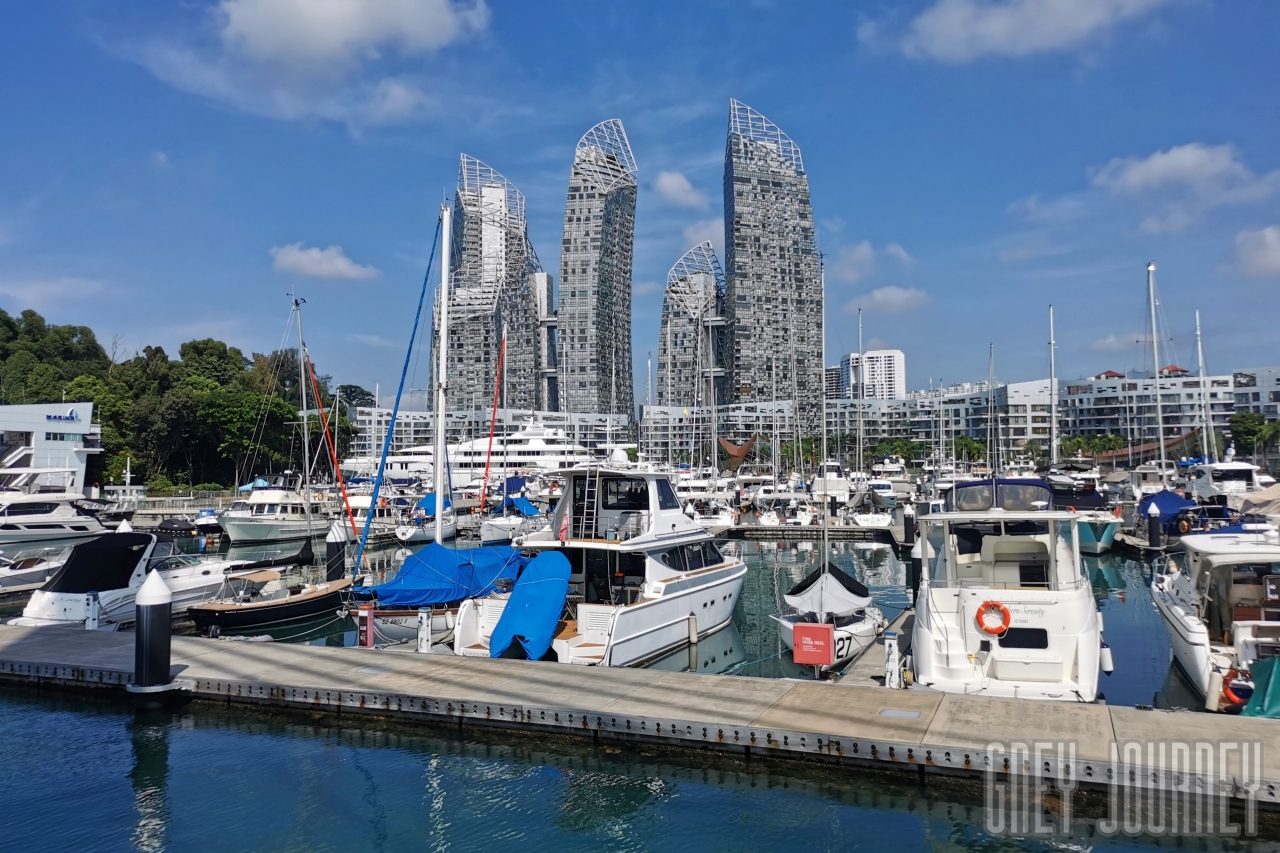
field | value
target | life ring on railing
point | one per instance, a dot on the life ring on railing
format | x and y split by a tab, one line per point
984	625
1071	509
1227	692
1184	525
1117	512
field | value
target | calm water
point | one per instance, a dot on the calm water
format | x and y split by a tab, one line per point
95	777
1143	675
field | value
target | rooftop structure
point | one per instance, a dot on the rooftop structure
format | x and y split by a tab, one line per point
594	318
773	289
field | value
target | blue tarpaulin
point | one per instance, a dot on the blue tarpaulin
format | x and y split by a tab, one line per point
515	485
256	484
534	609
440	575
1170	503
523	506
429	503
1265	701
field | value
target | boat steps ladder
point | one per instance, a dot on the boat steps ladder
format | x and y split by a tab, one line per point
590	498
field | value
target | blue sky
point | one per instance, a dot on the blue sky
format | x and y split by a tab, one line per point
170	170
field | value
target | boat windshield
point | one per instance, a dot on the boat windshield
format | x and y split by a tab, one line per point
1243	475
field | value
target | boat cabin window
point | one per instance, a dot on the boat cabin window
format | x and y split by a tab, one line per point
628	494
666	496
1241	475
1024	638
239	506
30	509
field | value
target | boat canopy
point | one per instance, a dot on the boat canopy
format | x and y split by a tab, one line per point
256	484
1170	504
1265	701
830	592
1010	495
534	609
1265	502
102	564
522	505
440	575
429	503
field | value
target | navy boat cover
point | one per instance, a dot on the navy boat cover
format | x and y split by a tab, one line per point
534	609
440	575
428	503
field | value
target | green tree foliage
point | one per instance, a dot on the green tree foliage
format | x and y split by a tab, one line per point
354	395
210	416
1245	427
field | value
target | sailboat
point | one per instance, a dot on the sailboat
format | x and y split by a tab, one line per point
830	596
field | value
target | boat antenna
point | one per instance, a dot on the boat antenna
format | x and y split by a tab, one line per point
306	432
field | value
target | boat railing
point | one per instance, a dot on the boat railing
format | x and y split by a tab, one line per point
631	525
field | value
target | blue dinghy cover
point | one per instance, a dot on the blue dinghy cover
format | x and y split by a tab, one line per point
440	575
535	606
522	504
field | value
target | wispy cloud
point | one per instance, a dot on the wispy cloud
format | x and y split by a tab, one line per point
1048	210
1258	252
899	254
675	188
646	288
958	31
40	293
1116	343
851	264
336	61
160	160
706	230
318	263
374	341
890	299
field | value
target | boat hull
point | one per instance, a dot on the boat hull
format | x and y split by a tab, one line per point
850	640
271	613
1097	537
241	530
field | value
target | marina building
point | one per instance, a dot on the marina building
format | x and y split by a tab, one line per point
773	287
883	375
496	283
594	318
1112	403
45	447
689	340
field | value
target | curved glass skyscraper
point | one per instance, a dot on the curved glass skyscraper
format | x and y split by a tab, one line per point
594	322
773	291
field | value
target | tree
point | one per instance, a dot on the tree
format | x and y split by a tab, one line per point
1244	427
354	395
969	448
213	360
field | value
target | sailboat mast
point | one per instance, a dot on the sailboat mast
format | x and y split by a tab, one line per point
506	436
1208	443
442	366
861	442
1155	358
822	464
991	382
306	435
1053	394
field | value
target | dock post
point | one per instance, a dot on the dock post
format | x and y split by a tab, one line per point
424	630
892	666
1155	531
908	525
335	551
93	608
153	622
364	626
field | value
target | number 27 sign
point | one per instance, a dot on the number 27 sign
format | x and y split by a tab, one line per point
814	644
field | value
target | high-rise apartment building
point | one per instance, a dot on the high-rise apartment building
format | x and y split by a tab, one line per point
594	318
884	375
773	288
494	279
689	340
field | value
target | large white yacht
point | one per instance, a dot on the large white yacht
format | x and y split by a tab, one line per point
535	447
644	578
1149	478
111	569
272	514
830	481
45	516
1227	483
1219	594
1005	607
412	464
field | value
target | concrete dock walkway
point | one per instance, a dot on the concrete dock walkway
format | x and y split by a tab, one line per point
913	730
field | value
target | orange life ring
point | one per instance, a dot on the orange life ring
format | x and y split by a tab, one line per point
1004	617
1184	526
1071	509
1227	692
1117	512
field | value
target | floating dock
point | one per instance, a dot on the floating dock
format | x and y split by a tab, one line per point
914	731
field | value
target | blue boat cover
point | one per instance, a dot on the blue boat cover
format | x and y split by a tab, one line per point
256	484
515	485
439	575
1265	701
526	509
429	503
1170	504
535	606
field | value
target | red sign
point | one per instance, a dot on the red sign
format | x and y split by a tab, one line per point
815	645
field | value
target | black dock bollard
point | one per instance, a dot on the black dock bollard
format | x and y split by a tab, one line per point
908	525
1155	530
335	550
154	608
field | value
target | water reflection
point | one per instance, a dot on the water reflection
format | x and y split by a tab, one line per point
149	739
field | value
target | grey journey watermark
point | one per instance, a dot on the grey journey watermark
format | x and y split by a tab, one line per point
1152	787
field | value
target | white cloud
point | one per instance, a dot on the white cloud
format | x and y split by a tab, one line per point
318	263
852	263
375	341
325	59
1185	181
676	189
1115	343
1047	210
160	160
894	250
704	230
1258	252
958	31
646	288
889	300
44	292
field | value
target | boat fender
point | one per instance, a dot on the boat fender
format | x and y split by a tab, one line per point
1227	692
448	619
1105	660
987	627
1184	525
1214	692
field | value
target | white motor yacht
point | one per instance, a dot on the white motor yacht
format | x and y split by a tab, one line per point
1226	483
830	482
644	578
1149	478
1219	595
45	517
30	566
715	516
535	447
1005	607
110	570
271	515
